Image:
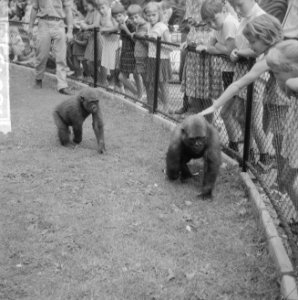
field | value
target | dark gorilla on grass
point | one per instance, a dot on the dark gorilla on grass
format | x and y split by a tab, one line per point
73	112
194	138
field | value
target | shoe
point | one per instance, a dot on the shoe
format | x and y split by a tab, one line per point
65	91
38	84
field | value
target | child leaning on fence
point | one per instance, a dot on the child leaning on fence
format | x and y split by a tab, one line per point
222	41
264	34
141	46
153	14
248	10
127	64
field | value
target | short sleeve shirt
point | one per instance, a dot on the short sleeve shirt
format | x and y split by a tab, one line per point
157	30
229	30
51	8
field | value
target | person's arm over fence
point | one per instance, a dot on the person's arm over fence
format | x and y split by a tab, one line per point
259	68
218	48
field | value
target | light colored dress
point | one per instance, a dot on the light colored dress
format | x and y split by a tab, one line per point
110	43
201	77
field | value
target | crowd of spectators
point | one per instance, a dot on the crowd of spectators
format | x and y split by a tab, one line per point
80	54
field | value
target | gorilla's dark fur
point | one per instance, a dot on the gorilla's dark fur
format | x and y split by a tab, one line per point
194	138
73	112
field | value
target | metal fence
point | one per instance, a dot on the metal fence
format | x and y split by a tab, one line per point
259	127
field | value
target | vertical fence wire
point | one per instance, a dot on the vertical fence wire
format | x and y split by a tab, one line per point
247	130
95	31
156	79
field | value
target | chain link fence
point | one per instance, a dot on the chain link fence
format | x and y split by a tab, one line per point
259	127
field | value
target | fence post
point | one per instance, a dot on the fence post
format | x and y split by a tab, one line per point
95	57
249	100
156	79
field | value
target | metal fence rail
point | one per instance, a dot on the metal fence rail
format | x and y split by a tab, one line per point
259	127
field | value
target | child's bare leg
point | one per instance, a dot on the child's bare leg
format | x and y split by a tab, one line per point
104	75
150	93
77	66
164	94
86	68
257	126
138	79
232	125
127	83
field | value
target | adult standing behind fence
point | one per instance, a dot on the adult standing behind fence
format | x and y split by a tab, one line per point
51	27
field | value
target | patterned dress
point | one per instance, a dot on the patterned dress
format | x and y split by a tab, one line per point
201	77
127	58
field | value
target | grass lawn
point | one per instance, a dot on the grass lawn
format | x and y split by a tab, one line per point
79	225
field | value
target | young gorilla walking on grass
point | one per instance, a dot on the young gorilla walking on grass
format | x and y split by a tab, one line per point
194	138
74	111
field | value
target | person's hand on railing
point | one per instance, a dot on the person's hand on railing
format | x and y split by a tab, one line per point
83	26
234	56
201	48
